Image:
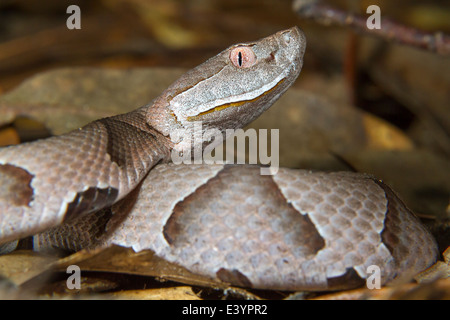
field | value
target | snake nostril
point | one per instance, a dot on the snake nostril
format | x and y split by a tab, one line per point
271	57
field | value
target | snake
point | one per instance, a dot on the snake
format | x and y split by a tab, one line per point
113	182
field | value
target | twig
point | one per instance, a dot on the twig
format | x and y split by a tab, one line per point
438	42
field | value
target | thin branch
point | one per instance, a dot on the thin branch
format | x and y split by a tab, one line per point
438	42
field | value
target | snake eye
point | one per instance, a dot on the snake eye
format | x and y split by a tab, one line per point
242	57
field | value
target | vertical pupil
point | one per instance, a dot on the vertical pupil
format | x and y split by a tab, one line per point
240	59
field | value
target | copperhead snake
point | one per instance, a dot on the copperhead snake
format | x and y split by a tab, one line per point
111	182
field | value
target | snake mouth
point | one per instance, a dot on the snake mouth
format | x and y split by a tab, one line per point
235	104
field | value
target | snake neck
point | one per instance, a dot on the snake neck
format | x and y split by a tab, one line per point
134	144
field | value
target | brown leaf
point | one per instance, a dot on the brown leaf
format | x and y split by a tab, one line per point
67	99
440	269
125	260
438	290
22	265
174	293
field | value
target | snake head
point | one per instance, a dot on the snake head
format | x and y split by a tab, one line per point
231	89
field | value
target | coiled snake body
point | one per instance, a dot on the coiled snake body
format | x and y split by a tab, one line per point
109	183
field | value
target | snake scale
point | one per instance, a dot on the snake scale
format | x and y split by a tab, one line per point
111	182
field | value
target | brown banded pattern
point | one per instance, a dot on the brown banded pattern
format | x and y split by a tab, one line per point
313	231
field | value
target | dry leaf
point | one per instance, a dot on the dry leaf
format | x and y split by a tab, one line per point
175	293
67	99
125	260
438	290
440	269
22	265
